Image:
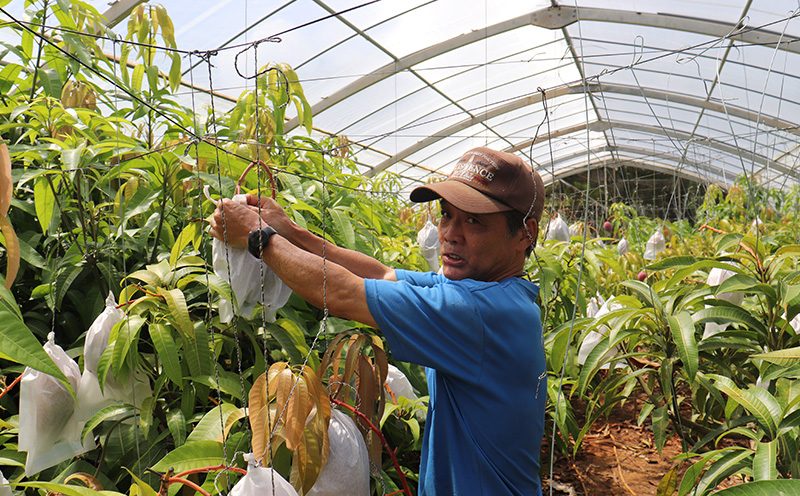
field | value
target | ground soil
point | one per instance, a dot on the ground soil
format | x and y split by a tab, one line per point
617	458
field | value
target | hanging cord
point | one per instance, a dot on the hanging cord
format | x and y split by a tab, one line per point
207	59
580	263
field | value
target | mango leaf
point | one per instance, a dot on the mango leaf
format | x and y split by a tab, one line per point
178	310
344	227
782	487
107	413
143	487
192	455
197	352
669	483
67	489
765	460
44	201
682	329
760	403
292	340
126	339
20	345
789	356
8	76
12	251
177	426
161	335
229	383
660	423
727	315
6	183
51	82
210	426
731	463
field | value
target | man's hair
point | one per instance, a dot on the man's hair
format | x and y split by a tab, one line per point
516	221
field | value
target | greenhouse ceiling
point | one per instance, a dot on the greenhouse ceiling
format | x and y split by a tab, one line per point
702	90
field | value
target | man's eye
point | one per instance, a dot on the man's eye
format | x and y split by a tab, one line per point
472	220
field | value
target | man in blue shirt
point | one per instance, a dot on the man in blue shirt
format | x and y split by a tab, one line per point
476	327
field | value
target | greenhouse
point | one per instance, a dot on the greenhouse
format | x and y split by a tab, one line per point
384	247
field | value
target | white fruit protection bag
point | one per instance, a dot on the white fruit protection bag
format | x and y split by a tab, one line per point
623	246
655	245
398	385
347	469
260	481
429	246
48	428
91	398
717	276
5	489
246	275
557	229
593	338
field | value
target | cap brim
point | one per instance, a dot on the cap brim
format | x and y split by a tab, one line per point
460	195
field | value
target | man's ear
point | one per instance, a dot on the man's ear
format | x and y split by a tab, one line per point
530	233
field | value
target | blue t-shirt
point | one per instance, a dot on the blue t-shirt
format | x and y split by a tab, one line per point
482	345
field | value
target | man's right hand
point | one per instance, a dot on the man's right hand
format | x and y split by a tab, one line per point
272	213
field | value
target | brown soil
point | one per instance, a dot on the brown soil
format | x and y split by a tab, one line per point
616	458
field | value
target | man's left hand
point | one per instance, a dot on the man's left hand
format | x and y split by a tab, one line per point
239	221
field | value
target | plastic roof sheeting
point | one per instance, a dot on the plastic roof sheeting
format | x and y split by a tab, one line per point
704	90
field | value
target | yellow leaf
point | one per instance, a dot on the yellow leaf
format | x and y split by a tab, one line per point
12	251
296	413
5	180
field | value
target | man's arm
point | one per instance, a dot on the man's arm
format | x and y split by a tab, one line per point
321	283
358	263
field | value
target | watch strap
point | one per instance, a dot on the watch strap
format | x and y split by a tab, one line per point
258	240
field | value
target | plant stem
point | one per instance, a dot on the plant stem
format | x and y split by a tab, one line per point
39	51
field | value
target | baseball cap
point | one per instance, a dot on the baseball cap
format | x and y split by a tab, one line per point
486	181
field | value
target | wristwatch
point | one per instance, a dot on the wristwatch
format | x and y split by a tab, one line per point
258	240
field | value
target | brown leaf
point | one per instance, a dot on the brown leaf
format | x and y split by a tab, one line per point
368	388
87	479
12	251
353	352
296	414
6	186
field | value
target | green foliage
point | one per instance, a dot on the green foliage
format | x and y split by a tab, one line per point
108	195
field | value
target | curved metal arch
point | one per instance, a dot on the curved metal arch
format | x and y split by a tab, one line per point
604	125
690	171
556	18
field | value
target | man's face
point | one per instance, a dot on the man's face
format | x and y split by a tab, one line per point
476	246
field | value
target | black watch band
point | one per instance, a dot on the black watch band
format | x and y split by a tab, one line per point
258	240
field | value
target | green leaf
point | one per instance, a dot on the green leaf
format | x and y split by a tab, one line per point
197	351
291	339
210	426
198	454
152	77
127	337
780	487
668	483
660	423
164	343
175	72
20	345
729	314
51	82
44	201
229	383
731	463
682	329
765	460
760	403
178	310
789	356
137	77
344	227
177	426
144	488
8	77
106	413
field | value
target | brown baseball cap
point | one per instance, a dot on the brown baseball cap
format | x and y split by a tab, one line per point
485	181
